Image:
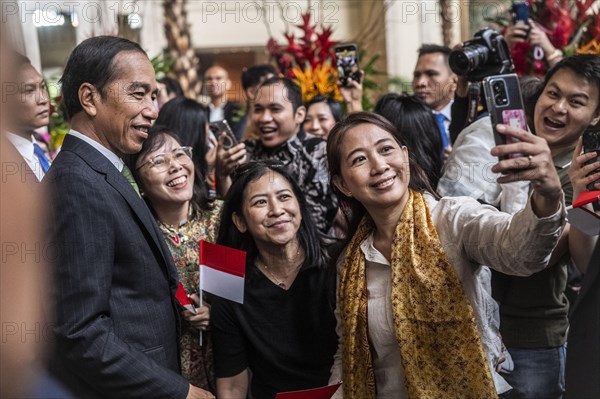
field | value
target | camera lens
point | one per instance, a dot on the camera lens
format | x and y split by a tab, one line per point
468	59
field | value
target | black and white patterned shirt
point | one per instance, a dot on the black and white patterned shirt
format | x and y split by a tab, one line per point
305	158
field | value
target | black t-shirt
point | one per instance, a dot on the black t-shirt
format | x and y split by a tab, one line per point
286	338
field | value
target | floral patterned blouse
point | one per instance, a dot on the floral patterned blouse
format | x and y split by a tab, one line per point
183	242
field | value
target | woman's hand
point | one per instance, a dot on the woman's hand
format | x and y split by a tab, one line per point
579	171
530	160
201	319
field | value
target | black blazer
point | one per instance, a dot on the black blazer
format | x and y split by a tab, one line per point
116	329
583	351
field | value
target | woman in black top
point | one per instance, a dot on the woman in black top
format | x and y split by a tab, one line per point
284	333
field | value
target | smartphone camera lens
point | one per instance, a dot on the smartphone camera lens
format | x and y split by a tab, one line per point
500	93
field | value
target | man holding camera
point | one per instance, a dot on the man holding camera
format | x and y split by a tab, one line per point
534	309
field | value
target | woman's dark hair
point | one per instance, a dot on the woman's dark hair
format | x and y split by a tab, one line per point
353	209
157	136
531	88
188	118
172	86
92	61
334	106
418	128
230	236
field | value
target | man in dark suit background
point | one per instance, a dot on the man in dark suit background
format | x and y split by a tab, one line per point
583	352
116	322
217	84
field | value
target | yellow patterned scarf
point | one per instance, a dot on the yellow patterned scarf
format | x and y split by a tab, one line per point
437	334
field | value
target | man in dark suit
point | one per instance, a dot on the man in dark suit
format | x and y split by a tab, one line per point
583	353
28	110
117	321
217	84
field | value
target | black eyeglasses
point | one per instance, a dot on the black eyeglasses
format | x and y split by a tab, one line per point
161	162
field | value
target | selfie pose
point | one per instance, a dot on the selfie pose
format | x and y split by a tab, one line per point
408	312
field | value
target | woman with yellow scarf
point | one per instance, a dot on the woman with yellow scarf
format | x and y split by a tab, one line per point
408	321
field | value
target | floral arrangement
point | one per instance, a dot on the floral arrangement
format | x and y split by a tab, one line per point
58	124
308	60
572	26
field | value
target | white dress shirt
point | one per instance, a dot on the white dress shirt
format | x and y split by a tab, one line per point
216	113
25	148
112	157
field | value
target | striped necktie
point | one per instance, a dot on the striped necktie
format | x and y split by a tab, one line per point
41	156
129	176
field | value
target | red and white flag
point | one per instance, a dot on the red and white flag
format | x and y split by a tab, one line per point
183	298
222	271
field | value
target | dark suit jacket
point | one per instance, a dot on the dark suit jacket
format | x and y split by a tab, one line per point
583	351
116	323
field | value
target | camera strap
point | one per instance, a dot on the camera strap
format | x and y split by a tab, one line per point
474	90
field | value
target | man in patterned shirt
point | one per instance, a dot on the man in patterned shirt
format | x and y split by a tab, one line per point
277	115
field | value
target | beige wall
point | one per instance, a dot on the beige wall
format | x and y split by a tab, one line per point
242	23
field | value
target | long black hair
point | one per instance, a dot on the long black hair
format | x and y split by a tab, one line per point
229	235
417	127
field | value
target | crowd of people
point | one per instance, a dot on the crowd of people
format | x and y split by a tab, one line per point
401	252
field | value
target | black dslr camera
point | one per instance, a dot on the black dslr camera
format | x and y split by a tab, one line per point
484	55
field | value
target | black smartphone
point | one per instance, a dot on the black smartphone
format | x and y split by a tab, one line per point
520	12
346	56
591	143
226	140
505	105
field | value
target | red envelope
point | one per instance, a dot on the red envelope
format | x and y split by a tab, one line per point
316	393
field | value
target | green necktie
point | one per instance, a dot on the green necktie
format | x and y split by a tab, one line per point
129	176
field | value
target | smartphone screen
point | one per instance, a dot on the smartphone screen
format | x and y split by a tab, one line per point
347	63
505	105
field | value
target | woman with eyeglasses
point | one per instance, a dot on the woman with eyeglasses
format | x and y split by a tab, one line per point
165	174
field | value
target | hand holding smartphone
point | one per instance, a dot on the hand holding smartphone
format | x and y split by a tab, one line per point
346	56
505	106
223	133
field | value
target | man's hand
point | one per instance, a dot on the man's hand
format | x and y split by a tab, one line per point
228	160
